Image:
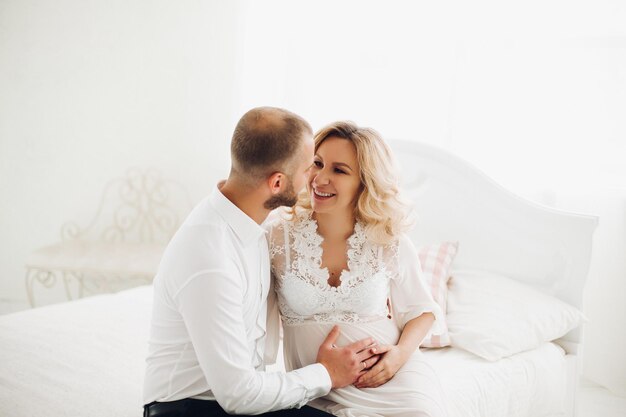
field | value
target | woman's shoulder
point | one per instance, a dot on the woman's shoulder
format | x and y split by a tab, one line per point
406	246
395	242
400	247
405	240
284	217
275	218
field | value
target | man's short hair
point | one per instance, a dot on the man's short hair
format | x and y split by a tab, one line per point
266	140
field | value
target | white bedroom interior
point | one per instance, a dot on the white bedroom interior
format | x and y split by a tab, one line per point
533	93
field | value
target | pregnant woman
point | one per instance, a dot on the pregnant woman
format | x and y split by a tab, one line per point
340	257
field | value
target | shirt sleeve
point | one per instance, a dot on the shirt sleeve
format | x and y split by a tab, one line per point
410	297
211	306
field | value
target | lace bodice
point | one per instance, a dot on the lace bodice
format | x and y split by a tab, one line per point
302	284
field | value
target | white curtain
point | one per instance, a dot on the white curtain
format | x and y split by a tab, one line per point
533	93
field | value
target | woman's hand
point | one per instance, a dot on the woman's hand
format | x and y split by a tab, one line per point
393	357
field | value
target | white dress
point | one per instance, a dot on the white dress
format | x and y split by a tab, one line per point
309	307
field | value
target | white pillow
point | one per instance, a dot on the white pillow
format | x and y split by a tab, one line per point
494	317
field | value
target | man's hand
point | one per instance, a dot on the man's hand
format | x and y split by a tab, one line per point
346	364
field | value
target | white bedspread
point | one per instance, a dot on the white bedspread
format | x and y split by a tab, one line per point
83	358
529	384
86	358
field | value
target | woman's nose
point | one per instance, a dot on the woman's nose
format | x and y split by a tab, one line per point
320	178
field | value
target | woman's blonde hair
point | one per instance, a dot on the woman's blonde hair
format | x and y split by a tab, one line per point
379	207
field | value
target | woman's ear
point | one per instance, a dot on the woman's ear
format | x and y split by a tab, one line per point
276	182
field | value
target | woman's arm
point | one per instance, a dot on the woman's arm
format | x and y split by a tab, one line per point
415	331
415	312
394	356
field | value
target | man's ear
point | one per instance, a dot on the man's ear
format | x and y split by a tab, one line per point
276	182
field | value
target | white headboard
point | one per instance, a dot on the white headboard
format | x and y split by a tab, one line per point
497	230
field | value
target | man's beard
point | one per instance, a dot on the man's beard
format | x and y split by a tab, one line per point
288	198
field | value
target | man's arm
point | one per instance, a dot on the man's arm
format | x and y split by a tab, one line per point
211	306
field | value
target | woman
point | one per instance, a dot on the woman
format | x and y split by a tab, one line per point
341	258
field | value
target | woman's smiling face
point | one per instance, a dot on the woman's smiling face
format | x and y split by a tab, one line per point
334	178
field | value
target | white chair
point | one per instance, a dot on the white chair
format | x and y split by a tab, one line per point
121	247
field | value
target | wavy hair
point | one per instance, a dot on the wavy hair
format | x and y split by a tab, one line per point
379	207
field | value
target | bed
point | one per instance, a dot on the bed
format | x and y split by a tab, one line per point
86	357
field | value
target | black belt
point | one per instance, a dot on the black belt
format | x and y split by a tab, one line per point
190	407
184	407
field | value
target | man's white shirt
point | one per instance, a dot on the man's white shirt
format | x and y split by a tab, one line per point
208	329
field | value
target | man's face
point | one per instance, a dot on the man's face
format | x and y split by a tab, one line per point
286	198
297	180
300	176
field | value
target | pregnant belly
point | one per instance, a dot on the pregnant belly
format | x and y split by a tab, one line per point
301	342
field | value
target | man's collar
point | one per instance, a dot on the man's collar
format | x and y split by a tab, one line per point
246	229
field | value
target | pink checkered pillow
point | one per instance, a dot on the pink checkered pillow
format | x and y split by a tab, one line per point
436	260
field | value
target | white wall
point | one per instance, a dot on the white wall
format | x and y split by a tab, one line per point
88	89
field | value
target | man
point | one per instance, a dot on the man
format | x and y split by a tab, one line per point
208	327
